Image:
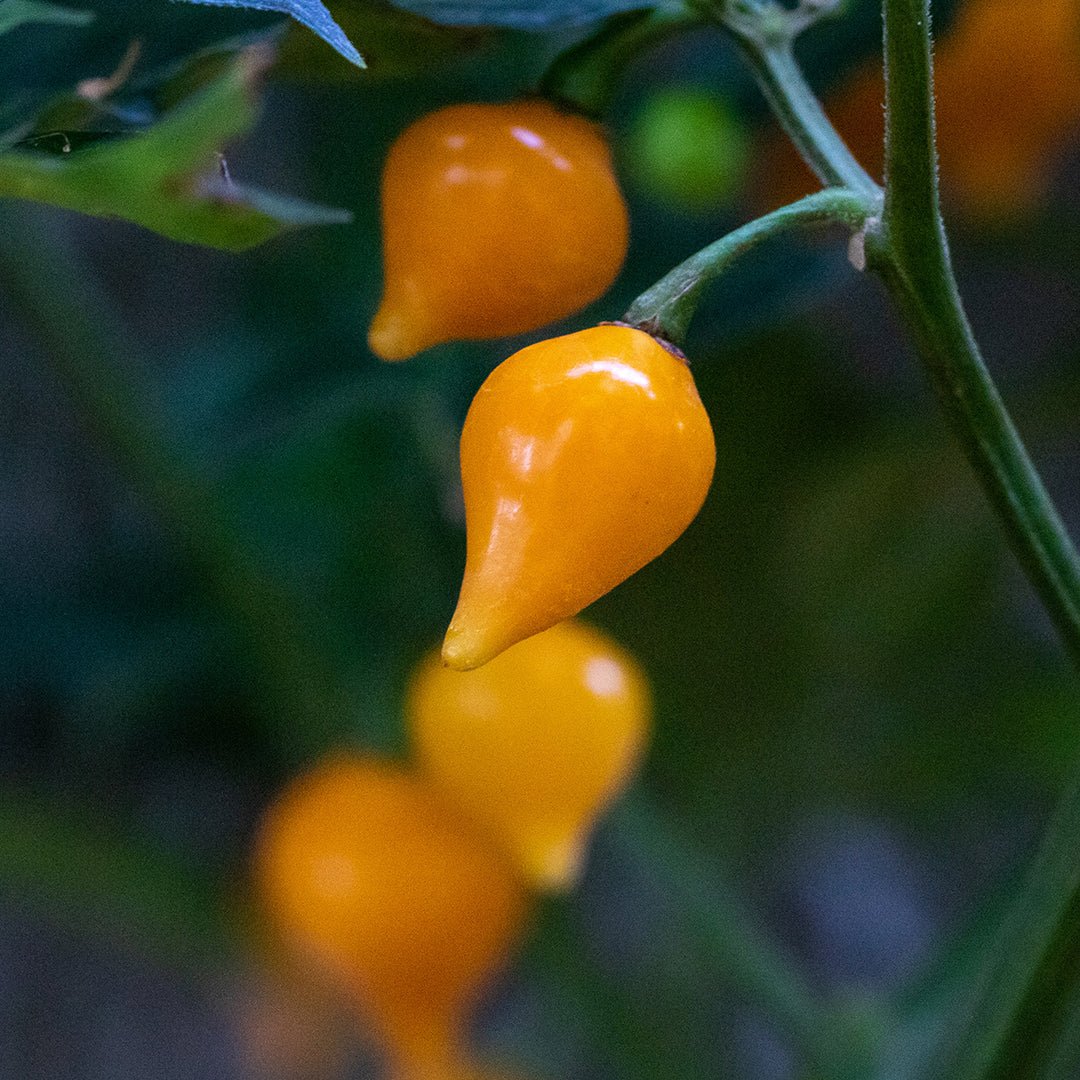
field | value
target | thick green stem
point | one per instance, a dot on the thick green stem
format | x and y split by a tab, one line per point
992	444
914	261
667	308
1010	1019
1010	1023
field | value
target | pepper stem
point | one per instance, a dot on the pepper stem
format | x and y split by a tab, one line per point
665	310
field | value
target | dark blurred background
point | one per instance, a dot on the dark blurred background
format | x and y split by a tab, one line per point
862	713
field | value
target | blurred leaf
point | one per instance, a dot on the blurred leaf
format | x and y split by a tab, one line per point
135	65
396	43
14	13
725	934
629	1037
911	540
310	13
170	178
524	14
1065	1060
174	82
83	869
924	1010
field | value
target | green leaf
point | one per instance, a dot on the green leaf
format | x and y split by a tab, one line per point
524	14
82	868
311	13
14	13
170	178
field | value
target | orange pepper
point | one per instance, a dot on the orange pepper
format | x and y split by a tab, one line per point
536	743
374	879
497	219
459	1069
582	458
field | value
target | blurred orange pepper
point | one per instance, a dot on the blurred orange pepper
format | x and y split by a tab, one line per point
378	882
1007	86
535	743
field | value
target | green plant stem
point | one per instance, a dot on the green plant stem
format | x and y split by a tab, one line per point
728	937
1029	972
667	308
989	438
771	58
913	258
63	311
1009	1020
909	250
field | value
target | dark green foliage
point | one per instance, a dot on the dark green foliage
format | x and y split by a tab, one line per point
15	13
840	644
172	177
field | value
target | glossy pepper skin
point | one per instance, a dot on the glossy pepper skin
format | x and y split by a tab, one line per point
367	872
582	458
497	219
536	743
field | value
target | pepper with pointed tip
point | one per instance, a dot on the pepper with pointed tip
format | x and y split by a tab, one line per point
536	743
369	873
497	219
583	457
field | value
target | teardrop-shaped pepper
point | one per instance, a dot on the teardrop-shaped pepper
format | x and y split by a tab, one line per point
582	458
497	219
367	872
536	743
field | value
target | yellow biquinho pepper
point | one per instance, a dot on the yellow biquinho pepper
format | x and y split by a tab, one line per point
380	883
582	458
497	219
536	743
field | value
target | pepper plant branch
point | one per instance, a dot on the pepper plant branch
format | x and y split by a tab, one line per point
1009	1022
667	308
914	260
1029	971
766	34
909	250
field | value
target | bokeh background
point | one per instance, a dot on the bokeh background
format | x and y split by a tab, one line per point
862	713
